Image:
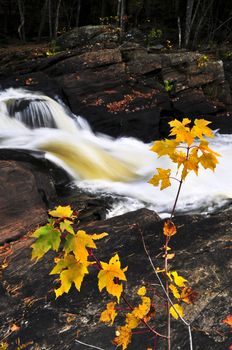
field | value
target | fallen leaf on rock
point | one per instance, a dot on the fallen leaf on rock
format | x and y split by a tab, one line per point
14	328
228	320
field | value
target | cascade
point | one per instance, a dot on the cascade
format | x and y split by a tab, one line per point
36	122
101	164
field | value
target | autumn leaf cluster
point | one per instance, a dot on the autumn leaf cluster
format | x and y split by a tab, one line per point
76	255
184	150
189	149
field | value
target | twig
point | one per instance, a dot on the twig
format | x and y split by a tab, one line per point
164	290
89	345
144	322
167	291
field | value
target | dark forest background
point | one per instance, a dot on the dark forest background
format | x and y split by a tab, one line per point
186	23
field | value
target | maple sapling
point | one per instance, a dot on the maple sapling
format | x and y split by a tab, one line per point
189	150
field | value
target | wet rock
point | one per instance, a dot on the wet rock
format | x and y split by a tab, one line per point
203	256
22	199
38	82
126	90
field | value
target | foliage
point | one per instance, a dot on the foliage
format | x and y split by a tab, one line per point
202	61
76	255
184	152
109	20
228	320
155	33
188	148
53	49
3	345
168	86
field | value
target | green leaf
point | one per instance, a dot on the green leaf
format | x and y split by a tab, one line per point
48	238
66	225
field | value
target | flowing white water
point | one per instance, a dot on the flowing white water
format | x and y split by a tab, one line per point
101	164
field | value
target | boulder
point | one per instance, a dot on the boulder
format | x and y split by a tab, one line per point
38	82
116	87
23	194
202	255
88	35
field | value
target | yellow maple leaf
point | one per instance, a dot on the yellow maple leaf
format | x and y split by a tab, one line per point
132	321
142	291
162	177
176	310
181	131
142	309
79	242
200	128
179	280
190	164
204	147
175	291
164	147
208	159
110	272
108	315
62	212
70	271
178	157
123	337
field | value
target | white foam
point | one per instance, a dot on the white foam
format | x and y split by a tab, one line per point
101	164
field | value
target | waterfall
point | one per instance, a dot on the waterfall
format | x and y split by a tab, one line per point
36	122
101	164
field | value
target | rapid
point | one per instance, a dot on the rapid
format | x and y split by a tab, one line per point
100	164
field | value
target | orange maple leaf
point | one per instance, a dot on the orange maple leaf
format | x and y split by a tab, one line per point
169	228
228	320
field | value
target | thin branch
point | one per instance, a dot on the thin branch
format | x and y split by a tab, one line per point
222	24
144	322
89	345
164	290
167	289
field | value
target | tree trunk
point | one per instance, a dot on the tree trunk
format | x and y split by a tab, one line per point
188	20
43	19
119	8
200	23
179	32
103	8
147	7
122	17
50	19
56	24
78	12
21	28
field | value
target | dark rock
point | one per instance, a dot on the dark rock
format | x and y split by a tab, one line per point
38	82
193	103
113	87
92	60
88	35
140	62
22	199
203	253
